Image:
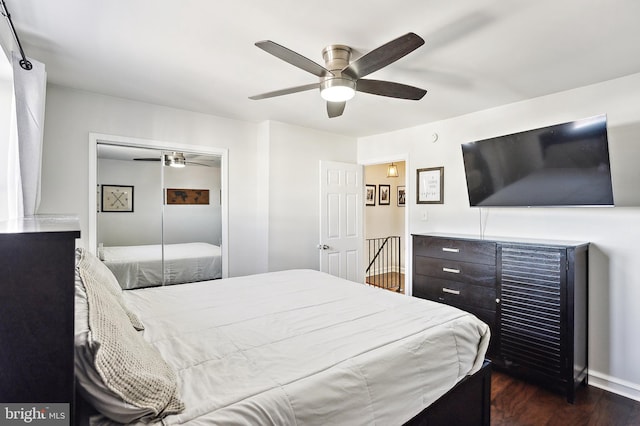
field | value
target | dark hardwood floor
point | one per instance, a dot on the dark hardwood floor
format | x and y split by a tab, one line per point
393	281
518	403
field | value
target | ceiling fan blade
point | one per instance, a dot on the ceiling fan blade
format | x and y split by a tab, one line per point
295	59
147	159
384	55
390	89
335	109
286	91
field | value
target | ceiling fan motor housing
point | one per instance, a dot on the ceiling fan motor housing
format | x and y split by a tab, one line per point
336	58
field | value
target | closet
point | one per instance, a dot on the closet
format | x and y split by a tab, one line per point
159	214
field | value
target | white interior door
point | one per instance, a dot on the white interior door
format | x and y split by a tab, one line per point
341	227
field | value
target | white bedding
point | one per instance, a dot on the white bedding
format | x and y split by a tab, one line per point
305	348
141	266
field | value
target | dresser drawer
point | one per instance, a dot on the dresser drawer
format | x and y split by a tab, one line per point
471	273
455	293
475	251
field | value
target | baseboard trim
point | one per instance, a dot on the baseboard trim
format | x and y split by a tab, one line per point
615	385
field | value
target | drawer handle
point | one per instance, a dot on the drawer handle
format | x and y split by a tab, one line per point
448	290
451	270
450	250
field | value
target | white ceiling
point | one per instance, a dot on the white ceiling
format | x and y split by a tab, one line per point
199	54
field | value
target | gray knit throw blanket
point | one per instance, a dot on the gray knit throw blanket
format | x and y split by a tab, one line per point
129	365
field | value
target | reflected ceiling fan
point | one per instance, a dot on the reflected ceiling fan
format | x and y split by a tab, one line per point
174	159
340	79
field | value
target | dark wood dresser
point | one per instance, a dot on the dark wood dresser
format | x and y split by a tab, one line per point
37	263
532	294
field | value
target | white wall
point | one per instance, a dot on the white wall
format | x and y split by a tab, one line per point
144	224
71	115
193	223
294	187
273	170
614	294
182	223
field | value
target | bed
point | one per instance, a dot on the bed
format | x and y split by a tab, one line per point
291	347
141	266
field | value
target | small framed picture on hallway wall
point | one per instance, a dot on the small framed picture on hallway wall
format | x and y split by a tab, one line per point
370	195
384	195
402	196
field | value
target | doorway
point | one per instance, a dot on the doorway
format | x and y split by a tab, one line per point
385	225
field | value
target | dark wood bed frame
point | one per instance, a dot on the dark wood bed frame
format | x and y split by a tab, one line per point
468	403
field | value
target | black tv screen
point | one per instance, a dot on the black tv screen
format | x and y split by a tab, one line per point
561	165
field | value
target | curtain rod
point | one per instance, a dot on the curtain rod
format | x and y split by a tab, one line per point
24	62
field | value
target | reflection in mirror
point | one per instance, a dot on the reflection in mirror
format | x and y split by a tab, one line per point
192	218
145	238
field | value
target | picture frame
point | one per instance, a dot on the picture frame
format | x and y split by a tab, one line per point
384	195
117	199
402	196
184	196
370	195
430	185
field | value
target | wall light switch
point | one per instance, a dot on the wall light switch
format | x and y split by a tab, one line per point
425	216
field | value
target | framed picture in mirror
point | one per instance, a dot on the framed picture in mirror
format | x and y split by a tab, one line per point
117	199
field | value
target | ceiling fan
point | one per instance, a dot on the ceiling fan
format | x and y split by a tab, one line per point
340	79
174	159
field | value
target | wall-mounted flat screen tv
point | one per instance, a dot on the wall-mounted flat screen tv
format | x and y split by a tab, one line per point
561	165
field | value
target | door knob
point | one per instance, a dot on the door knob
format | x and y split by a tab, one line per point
323	246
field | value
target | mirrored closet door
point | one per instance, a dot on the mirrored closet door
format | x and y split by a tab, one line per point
159	215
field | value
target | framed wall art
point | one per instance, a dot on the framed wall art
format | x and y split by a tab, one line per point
402	196
370	195
187	196
430	185
384	195
117	198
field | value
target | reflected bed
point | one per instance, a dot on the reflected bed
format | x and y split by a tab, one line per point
141	266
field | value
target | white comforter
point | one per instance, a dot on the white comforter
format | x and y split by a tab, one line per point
141	266
305	348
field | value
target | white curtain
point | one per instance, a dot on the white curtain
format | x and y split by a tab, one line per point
12	182
25	141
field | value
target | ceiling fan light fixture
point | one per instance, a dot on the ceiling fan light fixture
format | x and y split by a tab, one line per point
337	89
175	159
392	170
